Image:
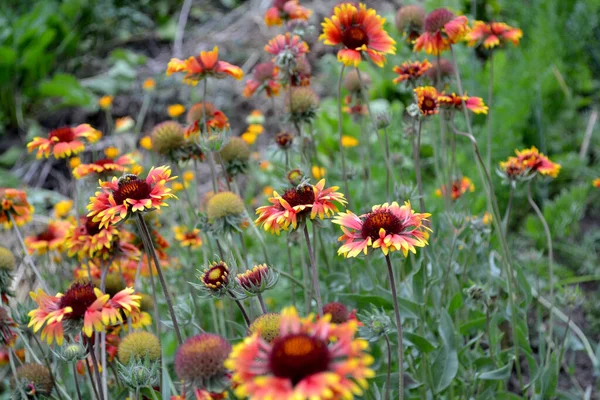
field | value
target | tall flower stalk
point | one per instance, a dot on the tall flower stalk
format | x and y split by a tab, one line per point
398	327
314	271
340	136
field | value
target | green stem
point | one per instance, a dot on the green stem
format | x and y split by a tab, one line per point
209	156
398	327
389	367
241	307
26	255
149	246
489	113
417	160
340	135
314	272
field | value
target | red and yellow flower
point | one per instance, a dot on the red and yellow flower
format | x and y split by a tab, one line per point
360	31
52	238
596	182
81	308
455	101
14	203
300	202
493	34
457	189
411	70
389	227
533	160
427	99
103	166
264	77
188	237
64	142
204	65
216	121
288	43
442	29
121	197
308	360
286	10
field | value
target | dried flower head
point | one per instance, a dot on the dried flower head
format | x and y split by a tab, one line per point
34	379
225	212
167	138
410	20
7	260
200	361
304	104
235	154
139	345
267	326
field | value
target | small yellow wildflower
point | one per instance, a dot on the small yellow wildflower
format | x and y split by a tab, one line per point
105	102
74	162
111	152
249	138
349	141
188	176
256	129
318	172
62	208
268	191
175	110
149	84
146	142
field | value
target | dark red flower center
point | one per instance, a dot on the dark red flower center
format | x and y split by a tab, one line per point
435	21
428	104
381	218
91	228
79	297
339	312
355	37
47	236
130	187
297	356
251	278
303	195
216	276
104	161
284	139
190	236
64	134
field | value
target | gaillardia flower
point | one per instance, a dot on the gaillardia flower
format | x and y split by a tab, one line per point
359	30
33	379
81	308
267	326
52	238
14	203
411	70
121	197
286	10
188	237
204	65
225	212
64	142
264	78
287	49
457	189
200	361
215	280
298	203
308	360
493	34
339	312
389	227
88	239
103	166
427	99
454	101
442	29
531	161
256	280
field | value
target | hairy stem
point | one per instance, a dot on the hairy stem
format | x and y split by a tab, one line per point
340	135
314	273
398	327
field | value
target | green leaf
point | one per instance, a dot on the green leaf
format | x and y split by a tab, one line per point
445	365
408	308
68	88
7	56
499	374
474	324
456	302
419	341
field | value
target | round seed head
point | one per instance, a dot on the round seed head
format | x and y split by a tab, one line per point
35	379
235	150
7	259
201	358
224	204
138	345
167	137
268	326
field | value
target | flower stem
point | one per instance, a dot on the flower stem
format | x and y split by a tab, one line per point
314	273
291	268
340	134
389	367
27	256
96	370
241	307
76	381
262	303
540	215
489	114
142	115
209	156
417	159
511	194
149	246
13	368
493	202
91	376
398	327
